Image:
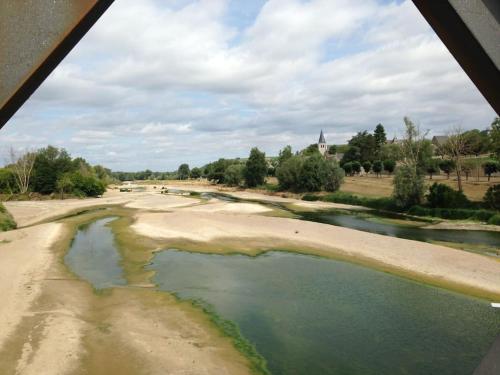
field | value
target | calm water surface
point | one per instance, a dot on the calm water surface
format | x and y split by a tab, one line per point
93	255
309	315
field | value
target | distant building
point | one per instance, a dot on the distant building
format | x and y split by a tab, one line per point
440	140
322	146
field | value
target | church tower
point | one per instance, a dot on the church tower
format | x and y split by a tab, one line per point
322	147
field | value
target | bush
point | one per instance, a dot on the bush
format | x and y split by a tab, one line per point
378	167
375	203
288	173
256	168
6	220
492	197
367	166
452	213
408	187
347	167
310	197
490	167
494	220
389	165
234	174
441	195
86	186
334	176
7	181
356	167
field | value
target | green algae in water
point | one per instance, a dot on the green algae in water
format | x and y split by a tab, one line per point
310	315
93	255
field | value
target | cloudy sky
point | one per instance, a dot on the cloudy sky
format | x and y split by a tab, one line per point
156	83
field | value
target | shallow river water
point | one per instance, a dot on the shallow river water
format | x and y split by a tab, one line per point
310	315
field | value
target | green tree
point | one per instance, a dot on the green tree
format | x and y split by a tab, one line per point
441	195
64	184
380	138
332	150
7	181
312	149
492	197
389	165
356	167
256	168
334	176
195	172
408	186
183	172
476	142
447	166
313	173
365	143
347	167
495	137
432	167
490	167
234	174
50	163
284	155
353	153
367	166
378	167
409	180
288	173
84	185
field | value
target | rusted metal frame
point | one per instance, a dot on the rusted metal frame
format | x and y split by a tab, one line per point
52	60
460	41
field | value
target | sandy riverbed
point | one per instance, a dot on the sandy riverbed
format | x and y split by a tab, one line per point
51	320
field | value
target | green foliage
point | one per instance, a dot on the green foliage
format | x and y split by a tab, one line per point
408	187
347	167
310	197
289	173
375	203
312	174
378	167
366	146
309	173
50	164
6	220
234	175
216	171
380	137
195	172
332	150
494	220
285	154
495	137
492	197
391	151
256	168
441	195
334	176
476	142
432	167
447	166
310	150
7	181
85	185
353	153
356	167
389	165
490	167
367	166
452	213
183	172
65	184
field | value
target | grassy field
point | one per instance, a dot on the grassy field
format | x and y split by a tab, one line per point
372	186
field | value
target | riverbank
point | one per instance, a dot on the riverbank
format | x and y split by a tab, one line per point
52	321
49	311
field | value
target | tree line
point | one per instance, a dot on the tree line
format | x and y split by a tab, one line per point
52	170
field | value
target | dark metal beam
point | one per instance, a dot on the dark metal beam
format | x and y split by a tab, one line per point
35	36
470	31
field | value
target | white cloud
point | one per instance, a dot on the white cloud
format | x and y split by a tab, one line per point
172	78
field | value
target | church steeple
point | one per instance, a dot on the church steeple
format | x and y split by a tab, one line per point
321	137
322	143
